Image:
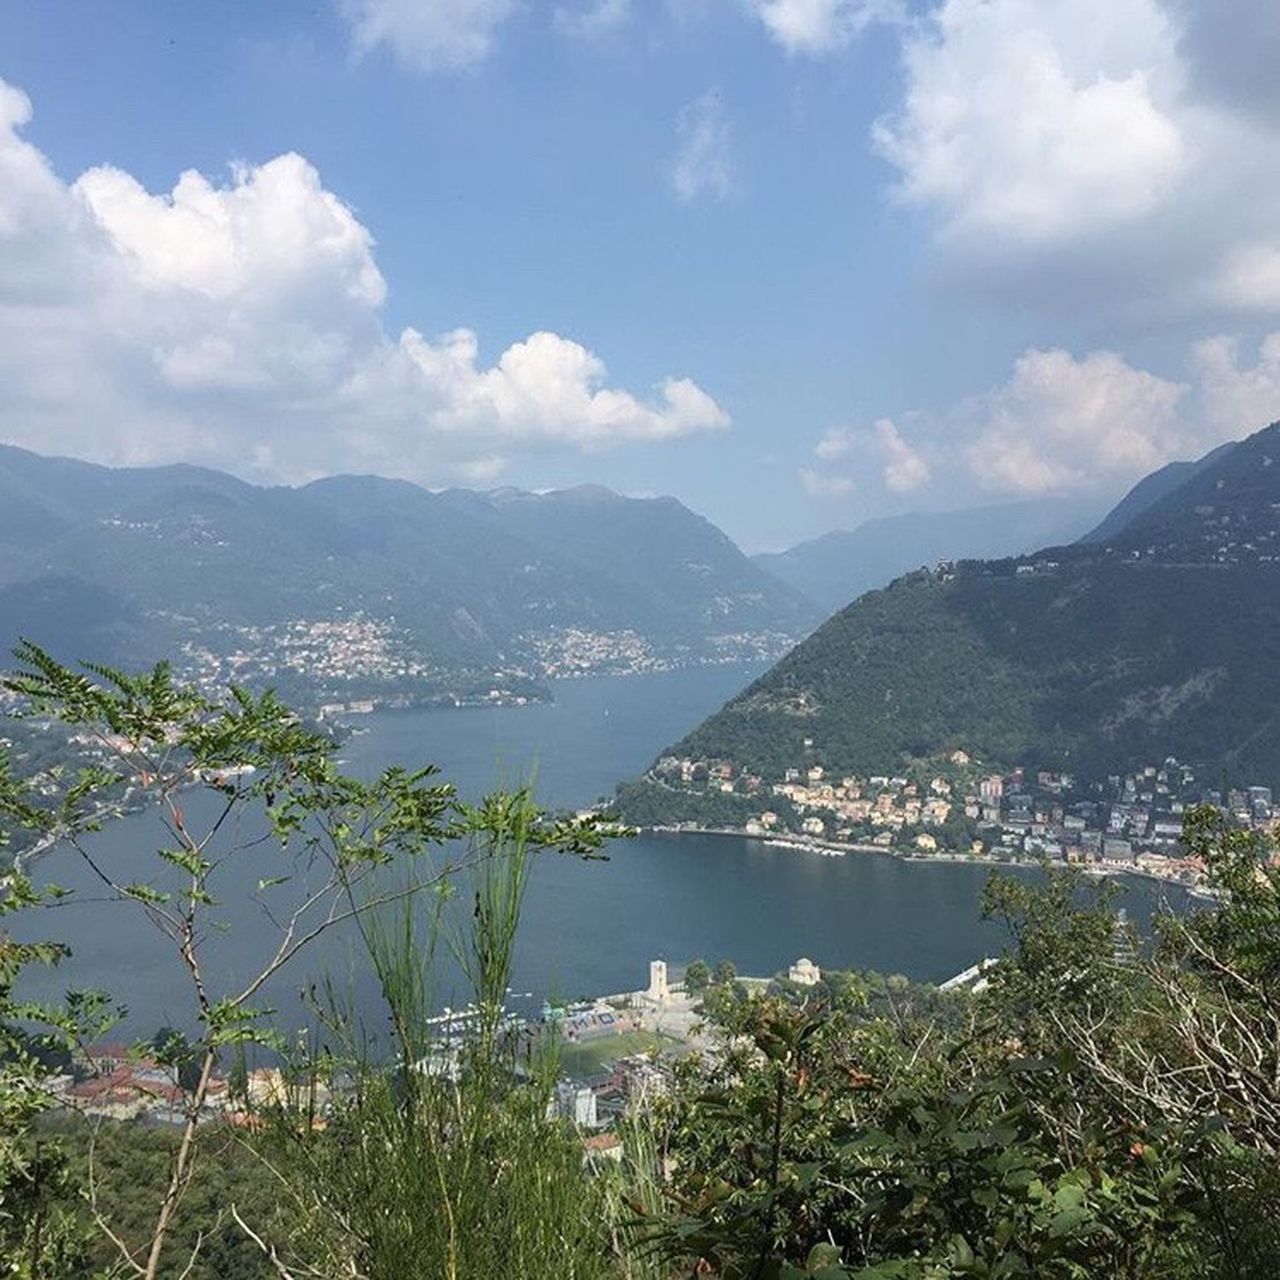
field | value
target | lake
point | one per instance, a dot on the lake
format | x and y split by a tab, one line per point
589	927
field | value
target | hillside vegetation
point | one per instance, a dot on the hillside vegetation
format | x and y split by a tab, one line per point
1162	640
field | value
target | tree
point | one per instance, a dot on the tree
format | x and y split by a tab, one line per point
157	740
697	976
725	973
40	1236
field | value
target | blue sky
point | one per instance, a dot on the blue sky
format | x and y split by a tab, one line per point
798	262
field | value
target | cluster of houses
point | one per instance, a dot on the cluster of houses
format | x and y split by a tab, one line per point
115	1082
328	650
950	805
569	652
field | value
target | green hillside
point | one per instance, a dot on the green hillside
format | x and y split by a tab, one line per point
1164	640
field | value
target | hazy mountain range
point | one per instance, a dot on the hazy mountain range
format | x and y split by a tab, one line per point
838	567
402	584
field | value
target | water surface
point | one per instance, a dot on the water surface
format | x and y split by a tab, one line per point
589	927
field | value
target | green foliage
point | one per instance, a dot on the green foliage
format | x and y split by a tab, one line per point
127	1166
363	844
436	1159
645	803
41	1235
1065	1123
697	976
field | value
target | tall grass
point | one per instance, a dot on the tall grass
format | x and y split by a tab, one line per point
433	1165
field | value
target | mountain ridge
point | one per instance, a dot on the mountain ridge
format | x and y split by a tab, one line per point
1091	657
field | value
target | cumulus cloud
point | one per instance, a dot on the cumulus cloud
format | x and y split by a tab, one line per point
428	35
1061	423
903	468
1037	118
241	324
704	162
821	26
1236	396
1100	149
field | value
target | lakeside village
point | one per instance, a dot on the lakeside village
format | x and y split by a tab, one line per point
948	807
615	1053
353	664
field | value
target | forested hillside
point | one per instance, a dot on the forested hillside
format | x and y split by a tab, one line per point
1163	640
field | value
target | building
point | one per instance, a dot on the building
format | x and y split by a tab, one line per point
577	1103
658	990
804	973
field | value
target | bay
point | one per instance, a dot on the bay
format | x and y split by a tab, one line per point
589	928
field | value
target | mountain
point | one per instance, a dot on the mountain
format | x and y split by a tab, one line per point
1098	657
374	578
839	567
1146	493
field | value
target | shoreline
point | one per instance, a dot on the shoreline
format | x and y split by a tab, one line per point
543	696
830	849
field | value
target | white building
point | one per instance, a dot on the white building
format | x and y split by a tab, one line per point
805	973
659	989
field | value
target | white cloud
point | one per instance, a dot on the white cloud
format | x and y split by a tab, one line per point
1037	118
826	484
428	35
1238	398
839	442
821	26
241	325
1061	423
594	20
544	389
1096	152
704	162
902	467
905	468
